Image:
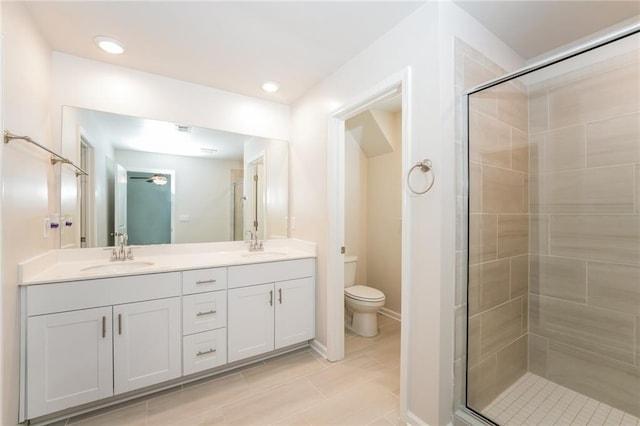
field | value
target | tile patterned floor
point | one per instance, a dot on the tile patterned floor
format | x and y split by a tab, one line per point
534	400
300	388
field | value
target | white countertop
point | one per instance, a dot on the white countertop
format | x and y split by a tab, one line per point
81	264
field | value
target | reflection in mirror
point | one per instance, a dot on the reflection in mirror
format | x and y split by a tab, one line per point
165	183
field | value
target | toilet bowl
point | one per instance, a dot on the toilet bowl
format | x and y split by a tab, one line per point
361	302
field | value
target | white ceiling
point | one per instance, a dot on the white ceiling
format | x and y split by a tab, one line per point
233	46
236	45
532	28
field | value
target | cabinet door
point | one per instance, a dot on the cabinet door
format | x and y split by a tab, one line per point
69	360
295	312
146	343
250	322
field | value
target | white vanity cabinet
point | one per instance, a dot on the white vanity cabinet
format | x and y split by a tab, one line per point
87	340
271	305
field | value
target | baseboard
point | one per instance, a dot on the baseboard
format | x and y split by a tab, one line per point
319	348
412	419
389	313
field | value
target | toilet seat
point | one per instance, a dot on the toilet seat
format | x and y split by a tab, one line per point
364	293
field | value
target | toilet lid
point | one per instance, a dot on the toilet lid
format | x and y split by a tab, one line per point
363	292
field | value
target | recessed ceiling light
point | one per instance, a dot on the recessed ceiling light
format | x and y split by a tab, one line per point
109	45
270	86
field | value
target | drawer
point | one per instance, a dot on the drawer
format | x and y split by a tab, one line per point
204	311
261	273
201	280
74	295
203	351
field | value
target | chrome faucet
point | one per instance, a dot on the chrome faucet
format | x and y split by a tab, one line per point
122	253
254	244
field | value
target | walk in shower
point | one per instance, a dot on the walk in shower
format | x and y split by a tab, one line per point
553	237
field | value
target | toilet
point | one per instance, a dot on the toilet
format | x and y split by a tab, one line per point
361	302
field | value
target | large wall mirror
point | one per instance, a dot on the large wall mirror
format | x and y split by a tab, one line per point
165	183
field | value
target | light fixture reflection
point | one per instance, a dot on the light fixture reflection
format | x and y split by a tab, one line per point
159	179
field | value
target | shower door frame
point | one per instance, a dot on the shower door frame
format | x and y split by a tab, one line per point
464	412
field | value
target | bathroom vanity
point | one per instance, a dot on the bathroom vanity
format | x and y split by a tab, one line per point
98	333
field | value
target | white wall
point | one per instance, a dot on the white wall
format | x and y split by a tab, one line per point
424	41
384	218
103	87
203	192
28	177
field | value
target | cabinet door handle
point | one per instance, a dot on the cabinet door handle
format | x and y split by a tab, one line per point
270	297
211	312
119	323
206	281
104	327
210	351
280	295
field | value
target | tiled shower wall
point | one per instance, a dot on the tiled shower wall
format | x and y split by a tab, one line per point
498	231
585	231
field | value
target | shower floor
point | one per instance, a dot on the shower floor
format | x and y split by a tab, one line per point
534	400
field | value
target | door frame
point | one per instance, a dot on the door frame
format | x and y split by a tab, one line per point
398	83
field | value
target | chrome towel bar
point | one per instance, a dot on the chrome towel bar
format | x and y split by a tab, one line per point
57	158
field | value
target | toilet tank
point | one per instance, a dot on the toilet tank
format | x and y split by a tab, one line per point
350	263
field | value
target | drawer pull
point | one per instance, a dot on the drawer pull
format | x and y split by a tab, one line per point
119	324
270	297
206	281
280	295
211	312
210	351
104	327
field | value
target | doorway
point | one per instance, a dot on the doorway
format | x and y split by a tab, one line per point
149	207
396	86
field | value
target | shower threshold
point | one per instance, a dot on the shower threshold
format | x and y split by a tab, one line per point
534	400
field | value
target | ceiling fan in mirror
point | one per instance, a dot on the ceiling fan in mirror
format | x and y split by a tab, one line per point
158	179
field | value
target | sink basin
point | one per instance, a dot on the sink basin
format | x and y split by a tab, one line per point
117	267
259	254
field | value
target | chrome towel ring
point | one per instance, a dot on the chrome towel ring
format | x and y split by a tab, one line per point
424	166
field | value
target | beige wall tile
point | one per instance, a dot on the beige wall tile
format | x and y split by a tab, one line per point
475	188
614	141
538	110
490	140
461	276
593	190
637	173
483	237
605	380
536	153
488	285
481	384
564	149
500	326
606	332
519	275
538	354
511	364
474	73
559	277
513	235
539	234
513	105
597	97
485	102
519	150
525	314
614	286
503	191
473	350
597	237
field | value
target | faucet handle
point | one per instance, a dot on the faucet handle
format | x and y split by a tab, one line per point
114	255
130	254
